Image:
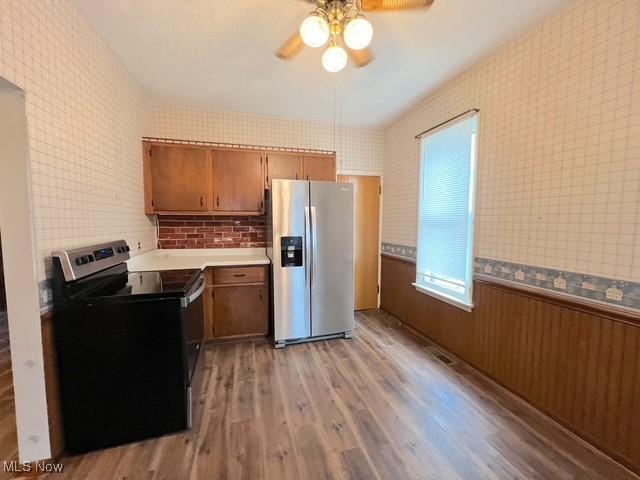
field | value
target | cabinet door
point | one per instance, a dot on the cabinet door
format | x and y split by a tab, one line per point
319	168
284	166
240	311
180	178
237	181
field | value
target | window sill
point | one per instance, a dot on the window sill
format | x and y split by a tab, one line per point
445	298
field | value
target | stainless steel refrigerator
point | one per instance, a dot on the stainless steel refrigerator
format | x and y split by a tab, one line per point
310	244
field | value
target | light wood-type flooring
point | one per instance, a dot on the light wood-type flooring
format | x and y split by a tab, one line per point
379	406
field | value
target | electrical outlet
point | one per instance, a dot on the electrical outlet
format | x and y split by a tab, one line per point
614	293
139	245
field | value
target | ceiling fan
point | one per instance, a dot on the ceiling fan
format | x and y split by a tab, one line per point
338	23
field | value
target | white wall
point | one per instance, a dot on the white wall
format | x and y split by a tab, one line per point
559	145
358	149
85	118
21	278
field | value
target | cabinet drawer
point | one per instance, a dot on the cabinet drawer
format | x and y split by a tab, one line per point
223	276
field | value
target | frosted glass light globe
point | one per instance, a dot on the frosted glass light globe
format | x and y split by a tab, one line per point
358	33
314	30
334	59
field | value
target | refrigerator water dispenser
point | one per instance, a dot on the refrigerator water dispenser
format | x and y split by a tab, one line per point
291	251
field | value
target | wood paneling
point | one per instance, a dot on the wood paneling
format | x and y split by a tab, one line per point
237	181
287	166
318	167
377	407
580	367
366	238
180	178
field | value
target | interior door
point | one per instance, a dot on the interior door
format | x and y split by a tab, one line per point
284	166
366	191
237	181
180	178
332	257
321	168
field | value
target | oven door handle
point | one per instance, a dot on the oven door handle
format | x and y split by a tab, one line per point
186	301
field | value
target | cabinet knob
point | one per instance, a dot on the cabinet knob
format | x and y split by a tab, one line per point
217	201
201	201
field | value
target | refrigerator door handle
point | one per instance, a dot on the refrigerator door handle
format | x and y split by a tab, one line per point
307	245
314	244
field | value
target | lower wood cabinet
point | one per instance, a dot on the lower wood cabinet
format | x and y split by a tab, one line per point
236	303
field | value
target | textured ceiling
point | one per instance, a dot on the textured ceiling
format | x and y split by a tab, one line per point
219	54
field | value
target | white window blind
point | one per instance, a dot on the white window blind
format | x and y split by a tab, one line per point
444	263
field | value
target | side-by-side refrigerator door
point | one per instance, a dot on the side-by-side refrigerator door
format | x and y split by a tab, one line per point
332	258
291	292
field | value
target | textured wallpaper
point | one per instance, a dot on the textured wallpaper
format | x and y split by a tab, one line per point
85	118
357	148
559	145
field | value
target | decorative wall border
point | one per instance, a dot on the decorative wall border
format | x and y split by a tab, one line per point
610	291
236	146
399	250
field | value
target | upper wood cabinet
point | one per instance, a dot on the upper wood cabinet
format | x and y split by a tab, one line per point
177	178
199	180
287	166
237	181
319	167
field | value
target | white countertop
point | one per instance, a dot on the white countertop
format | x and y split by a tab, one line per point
201	258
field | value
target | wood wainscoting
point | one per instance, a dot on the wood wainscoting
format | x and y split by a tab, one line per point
577	364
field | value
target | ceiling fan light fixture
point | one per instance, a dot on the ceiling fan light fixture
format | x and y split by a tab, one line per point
314	30
358	33
334	58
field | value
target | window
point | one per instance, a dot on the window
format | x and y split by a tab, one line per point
444	266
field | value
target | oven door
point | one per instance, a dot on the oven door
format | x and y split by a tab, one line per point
193	315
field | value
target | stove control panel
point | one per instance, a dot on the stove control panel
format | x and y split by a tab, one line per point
81	262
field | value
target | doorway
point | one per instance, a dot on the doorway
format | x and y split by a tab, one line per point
367	191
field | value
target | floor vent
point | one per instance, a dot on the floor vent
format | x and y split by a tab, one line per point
438	355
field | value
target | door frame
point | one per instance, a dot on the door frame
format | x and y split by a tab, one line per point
21	278
371	173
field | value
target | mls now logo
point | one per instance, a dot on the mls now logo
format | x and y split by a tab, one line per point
27	467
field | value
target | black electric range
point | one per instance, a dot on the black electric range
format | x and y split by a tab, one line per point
128	345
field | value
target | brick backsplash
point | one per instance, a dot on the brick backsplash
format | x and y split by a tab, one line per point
211	232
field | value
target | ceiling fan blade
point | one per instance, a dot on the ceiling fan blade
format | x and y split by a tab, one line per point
361	58
372	5
290	48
